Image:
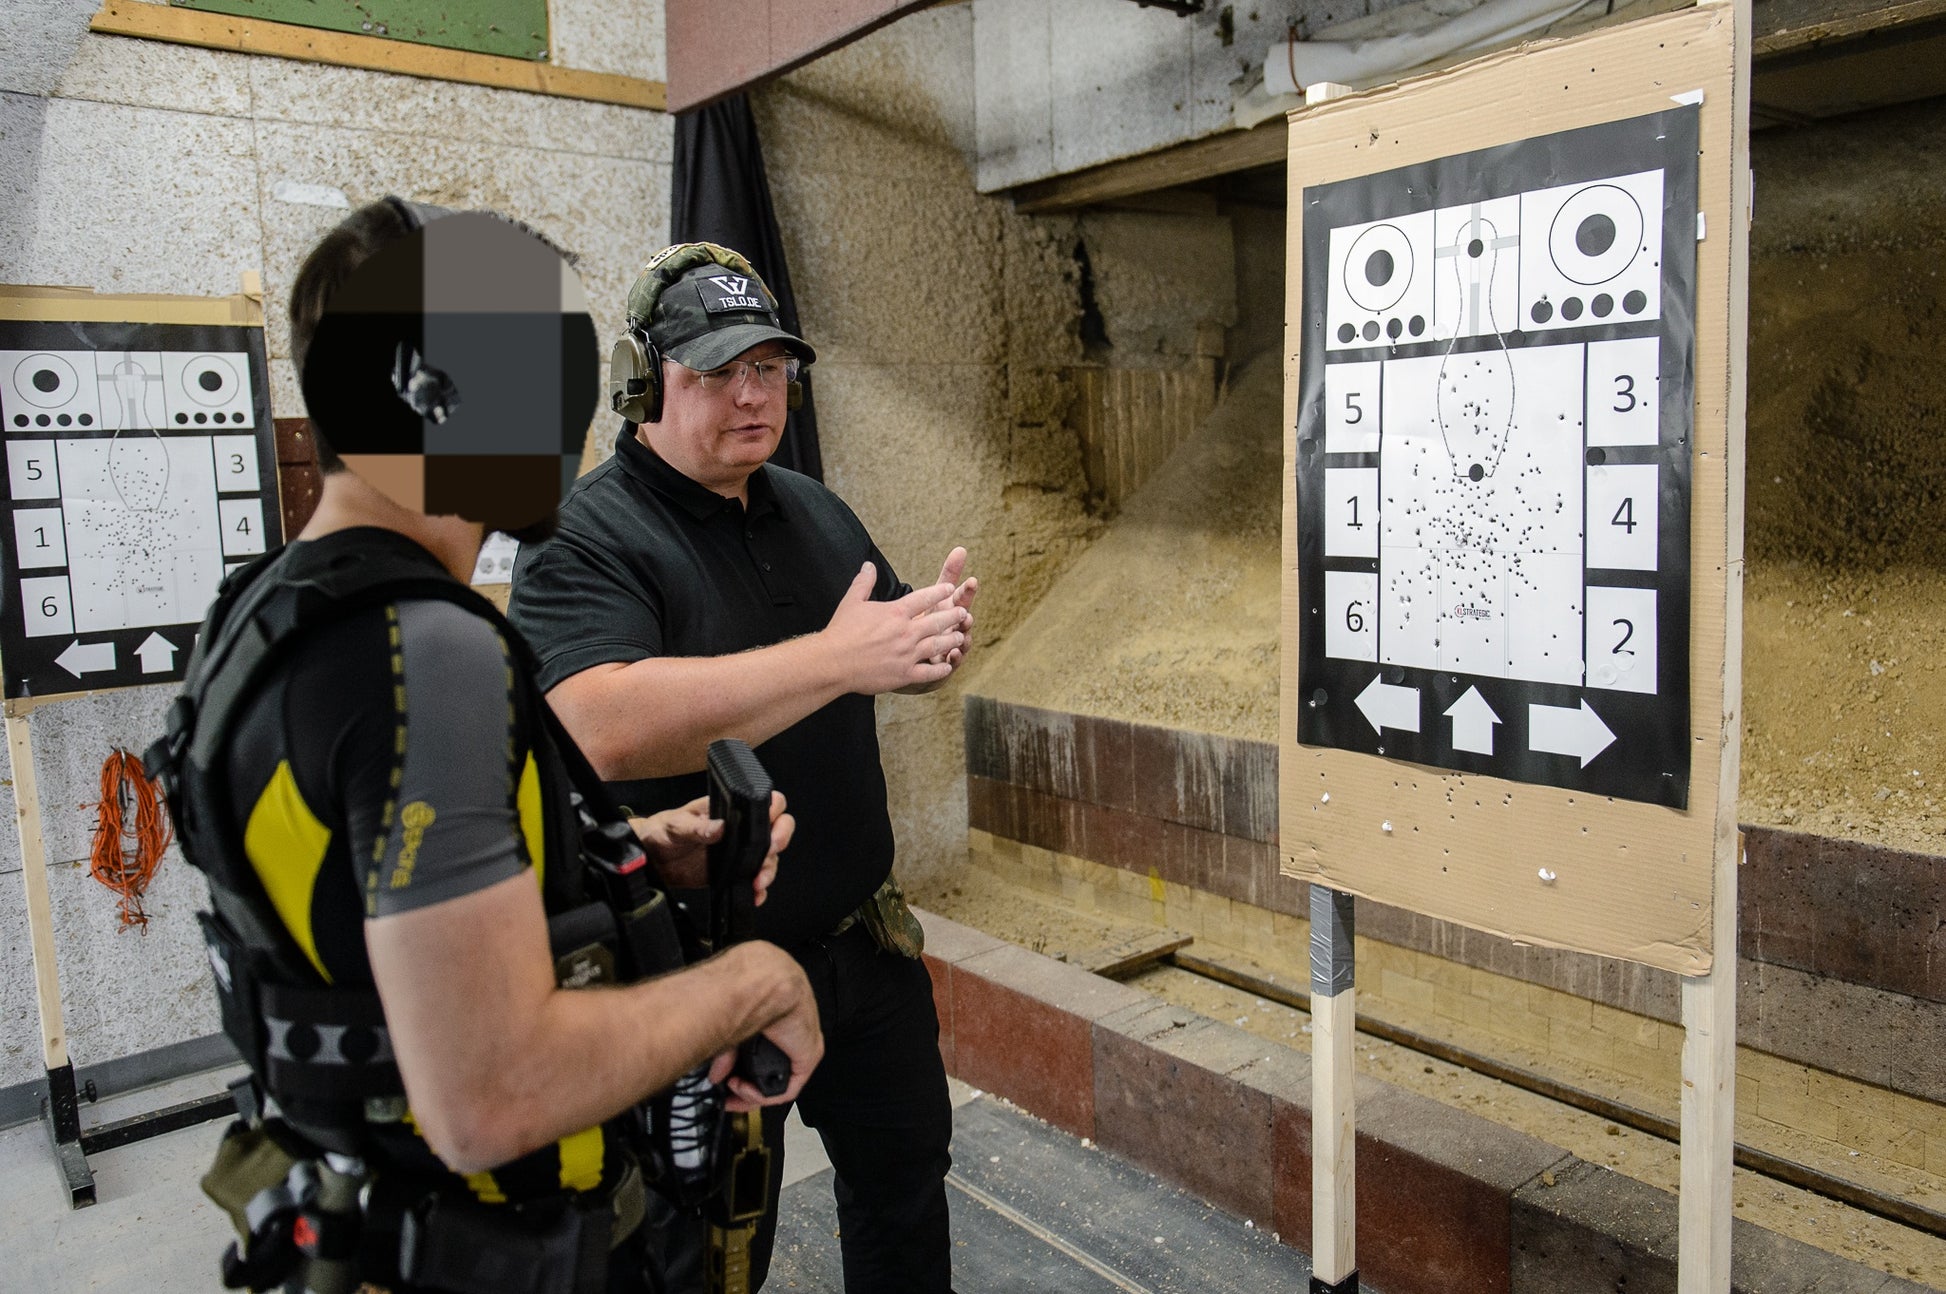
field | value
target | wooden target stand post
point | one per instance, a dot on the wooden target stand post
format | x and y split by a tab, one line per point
103	398
1513	538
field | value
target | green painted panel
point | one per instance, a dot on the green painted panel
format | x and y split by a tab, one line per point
512	28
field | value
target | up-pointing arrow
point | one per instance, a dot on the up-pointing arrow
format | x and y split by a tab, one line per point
1385	705
86	658
157	653
1559	730
1473	721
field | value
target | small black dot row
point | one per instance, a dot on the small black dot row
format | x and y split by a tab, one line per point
58	420
1601	307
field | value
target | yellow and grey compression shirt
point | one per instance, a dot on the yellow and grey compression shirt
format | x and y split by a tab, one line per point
391	761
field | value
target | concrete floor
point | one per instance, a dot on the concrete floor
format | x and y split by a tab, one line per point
1033	1209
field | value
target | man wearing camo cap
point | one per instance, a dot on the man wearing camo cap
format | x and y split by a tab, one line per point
696	592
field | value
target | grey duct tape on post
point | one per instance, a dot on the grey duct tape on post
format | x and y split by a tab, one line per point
1331	941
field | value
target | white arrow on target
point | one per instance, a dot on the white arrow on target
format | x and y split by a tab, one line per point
1386	705
157	653
1559	730
1473	722
86	658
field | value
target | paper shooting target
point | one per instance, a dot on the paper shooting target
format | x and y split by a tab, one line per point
1381	281
48	390
1603	260
136	474
1494	459
211	390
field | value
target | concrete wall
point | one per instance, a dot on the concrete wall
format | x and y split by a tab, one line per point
960	398
1068	84
134	166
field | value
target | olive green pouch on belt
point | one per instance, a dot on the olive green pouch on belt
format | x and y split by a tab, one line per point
891	923
249	1159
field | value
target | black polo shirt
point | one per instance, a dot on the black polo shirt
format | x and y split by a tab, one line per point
650	563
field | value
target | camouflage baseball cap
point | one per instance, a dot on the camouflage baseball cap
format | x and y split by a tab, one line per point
710	314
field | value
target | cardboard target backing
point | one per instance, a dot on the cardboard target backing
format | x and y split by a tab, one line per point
1513	491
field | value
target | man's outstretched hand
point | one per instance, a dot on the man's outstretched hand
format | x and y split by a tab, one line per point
896	646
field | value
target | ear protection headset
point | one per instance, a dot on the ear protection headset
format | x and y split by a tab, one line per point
427	391
635	363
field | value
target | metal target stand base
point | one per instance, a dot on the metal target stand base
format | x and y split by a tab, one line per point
1349	1285
61	1107
61	1117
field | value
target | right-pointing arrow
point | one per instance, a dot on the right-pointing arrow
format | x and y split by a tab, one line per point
1473	721
1559	730
1386	705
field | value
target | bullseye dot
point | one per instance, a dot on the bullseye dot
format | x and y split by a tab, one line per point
202	417
1603	305
1393	329
210	380
1371	330
1595	235
1378	268
1635	302
1571	308
87	420
63	420
1475	248
42	420
47	381
182	419
1596	456
1417	326
20	420
1542	312
1475	472
1346	332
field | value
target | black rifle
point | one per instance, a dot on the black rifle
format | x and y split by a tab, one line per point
739	795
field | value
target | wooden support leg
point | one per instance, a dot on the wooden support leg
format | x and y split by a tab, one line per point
1334	1260
61	1109
1709	1086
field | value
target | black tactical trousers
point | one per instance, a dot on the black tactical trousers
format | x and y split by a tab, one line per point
878	1102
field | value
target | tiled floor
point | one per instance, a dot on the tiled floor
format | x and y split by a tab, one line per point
1033	1209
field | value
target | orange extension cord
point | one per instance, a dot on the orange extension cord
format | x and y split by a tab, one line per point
125	856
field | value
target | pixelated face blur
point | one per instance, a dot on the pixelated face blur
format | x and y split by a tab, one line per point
456	371
717	438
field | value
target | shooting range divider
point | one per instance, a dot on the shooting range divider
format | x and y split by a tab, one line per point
1449	1202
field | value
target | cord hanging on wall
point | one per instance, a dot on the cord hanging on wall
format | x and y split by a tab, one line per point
132	830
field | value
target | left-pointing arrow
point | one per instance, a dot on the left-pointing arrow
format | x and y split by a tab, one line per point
86	658
156	653
1386	705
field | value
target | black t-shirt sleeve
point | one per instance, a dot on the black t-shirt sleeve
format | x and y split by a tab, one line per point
578	609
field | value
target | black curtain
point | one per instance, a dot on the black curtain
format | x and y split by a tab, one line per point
722	196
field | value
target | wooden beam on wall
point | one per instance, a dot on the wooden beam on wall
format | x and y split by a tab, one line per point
372	53
1201	159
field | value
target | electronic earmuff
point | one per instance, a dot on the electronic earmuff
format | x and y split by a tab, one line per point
635	363
635	376
429	392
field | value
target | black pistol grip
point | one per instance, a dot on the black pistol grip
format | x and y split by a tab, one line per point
763	1064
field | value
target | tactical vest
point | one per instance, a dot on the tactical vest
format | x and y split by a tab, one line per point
320	1051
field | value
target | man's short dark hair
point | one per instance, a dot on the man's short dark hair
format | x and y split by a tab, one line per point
356	239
